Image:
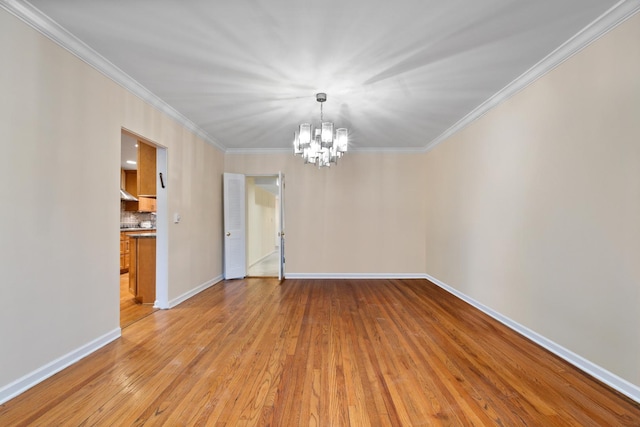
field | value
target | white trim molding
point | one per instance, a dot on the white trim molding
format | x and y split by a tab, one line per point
354	276
613	17
182	298
31	379
367	150
260	150
623	386
389	150
37	20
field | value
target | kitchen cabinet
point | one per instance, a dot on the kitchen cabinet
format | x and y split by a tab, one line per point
125	250
142	268
146	204
146	170
141	183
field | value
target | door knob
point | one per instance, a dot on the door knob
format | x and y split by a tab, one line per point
228	234
282	234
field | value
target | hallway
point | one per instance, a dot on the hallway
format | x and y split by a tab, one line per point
267	267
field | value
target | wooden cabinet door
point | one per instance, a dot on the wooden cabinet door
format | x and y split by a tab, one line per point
146	170
146	204
146	270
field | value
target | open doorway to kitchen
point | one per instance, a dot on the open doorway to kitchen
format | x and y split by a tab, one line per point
143	228
262	219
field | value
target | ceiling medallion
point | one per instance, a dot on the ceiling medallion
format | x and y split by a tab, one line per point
320	145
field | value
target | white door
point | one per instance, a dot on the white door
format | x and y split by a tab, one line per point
281	224
235	265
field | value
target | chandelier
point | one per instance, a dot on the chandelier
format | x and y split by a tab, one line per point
320	145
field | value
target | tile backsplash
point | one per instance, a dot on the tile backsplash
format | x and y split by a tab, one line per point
130	219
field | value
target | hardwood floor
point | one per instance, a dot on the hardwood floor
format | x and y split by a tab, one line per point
130	310
325	353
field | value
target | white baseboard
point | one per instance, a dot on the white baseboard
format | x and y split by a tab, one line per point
182	298
354	276
31	379
623	386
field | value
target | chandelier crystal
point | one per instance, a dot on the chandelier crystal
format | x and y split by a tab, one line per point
320	145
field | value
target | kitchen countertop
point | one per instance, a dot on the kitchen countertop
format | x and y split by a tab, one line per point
143	236
125	229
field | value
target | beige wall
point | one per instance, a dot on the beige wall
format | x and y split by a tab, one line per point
534	209
59	244
364	216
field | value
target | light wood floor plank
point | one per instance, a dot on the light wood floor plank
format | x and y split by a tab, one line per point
130	310
320	353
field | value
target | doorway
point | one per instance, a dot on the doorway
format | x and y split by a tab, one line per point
143	229
263	217
256	245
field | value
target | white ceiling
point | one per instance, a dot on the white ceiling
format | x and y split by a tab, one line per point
128	152
398	73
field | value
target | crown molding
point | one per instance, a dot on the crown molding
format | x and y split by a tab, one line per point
37	20
370	150
389	150
259	150
613	17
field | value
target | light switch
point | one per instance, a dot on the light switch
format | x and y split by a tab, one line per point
176	217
